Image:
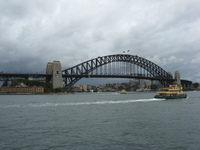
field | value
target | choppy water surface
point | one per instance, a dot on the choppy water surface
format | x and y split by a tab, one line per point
100	121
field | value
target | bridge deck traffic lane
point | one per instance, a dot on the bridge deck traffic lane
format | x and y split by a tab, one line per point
114	76
9	76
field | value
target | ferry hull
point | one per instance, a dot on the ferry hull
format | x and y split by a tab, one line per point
171	96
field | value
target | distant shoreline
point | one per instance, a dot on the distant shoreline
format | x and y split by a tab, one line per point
36	93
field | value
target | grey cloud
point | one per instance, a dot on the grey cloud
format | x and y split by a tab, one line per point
40	31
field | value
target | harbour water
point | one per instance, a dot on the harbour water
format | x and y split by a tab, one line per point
99	121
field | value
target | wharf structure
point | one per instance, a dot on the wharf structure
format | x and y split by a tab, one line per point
22	90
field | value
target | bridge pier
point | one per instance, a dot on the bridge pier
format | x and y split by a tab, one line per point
54	68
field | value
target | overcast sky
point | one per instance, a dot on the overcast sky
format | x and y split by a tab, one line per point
34	32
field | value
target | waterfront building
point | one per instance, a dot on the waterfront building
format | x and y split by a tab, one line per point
22	90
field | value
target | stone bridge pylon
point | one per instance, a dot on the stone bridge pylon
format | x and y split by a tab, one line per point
54	68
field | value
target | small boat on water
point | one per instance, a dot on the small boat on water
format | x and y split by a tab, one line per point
122	92
172	92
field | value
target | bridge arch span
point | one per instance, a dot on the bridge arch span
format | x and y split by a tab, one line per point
117	66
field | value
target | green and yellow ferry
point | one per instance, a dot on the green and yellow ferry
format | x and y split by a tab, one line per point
172	92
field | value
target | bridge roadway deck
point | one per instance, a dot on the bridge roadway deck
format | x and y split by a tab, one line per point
116	76
9	76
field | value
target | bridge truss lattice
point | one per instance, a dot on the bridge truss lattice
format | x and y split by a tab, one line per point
116	66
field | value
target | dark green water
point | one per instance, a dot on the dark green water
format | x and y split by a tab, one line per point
101	121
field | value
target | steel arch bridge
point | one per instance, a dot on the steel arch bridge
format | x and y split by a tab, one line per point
116	66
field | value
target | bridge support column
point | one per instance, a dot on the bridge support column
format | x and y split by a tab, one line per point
55	69
6	83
